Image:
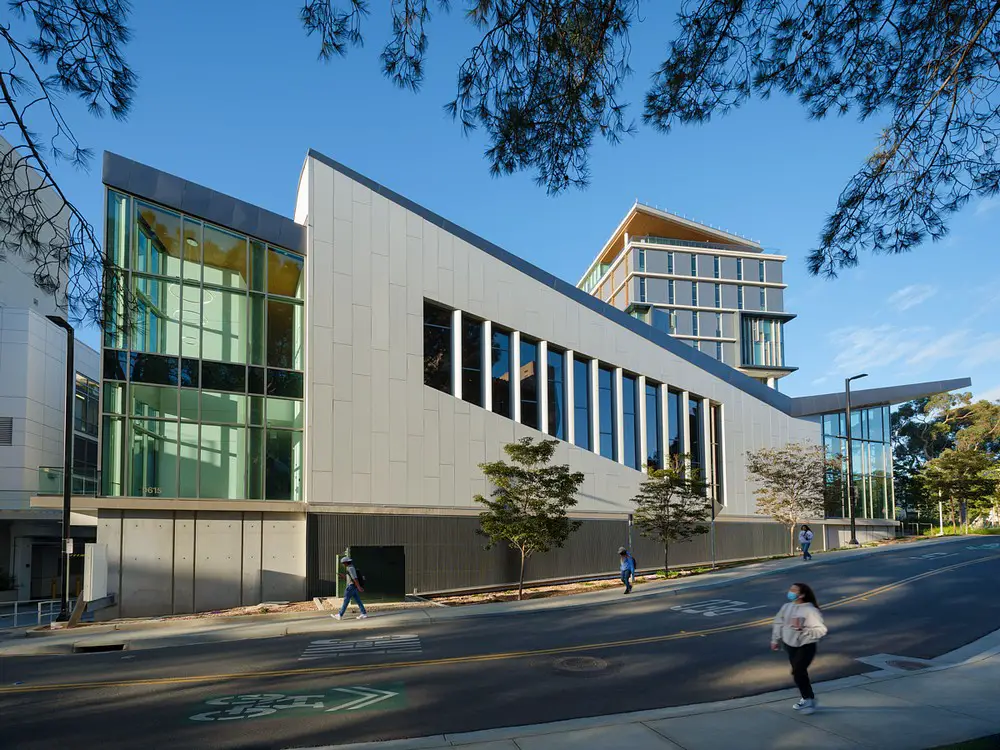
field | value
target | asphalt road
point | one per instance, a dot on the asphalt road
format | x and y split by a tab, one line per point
478	673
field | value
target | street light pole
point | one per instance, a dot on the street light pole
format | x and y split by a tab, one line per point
850	459
67	539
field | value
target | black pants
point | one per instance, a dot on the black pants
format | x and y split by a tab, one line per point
800	657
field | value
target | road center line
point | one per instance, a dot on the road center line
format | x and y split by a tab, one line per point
471	659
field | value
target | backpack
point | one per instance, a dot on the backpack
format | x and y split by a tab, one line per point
362	581
635	565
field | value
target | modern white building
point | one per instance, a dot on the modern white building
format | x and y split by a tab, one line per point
32	408
295	387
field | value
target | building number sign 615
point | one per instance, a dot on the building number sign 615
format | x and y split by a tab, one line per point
151	490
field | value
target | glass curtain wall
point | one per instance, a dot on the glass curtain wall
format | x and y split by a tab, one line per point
529	383
630	422
654	427
203	387
872	463
606	412
581	403
675	425
557	393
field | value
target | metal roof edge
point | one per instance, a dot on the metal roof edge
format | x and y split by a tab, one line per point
805	406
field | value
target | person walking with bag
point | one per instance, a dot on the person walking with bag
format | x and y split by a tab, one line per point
805	541
355	587
798	627
627	569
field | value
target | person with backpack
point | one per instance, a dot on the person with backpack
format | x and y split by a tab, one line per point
805	541
355	587
627	569
798	627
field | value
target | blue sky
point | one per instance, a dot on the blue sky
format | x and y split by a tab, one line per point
232	95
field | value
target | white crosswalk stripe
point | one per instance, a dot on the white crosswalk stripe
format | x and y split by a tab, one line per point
376	644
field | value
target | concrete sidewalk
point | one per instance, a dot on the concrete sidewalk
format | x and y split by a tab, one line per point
167	632
908	705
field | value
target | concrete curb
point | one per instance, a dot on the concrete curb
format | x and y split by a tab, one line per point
979	650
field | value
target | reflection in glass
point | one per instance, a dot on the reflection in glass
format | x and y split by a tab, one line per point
581	403
158	241
437	347
283	412
472	360
529	383
500	370
114	323
257	329
222	461
284	273
654	427
224	326
556	383
696	433
227	408
153	401
257	409
115	365
187	485
225	258
630	422
112	457
283	465
258	264
114	398
255	380
255	463
192	250
219	376
190	305
153	368
606	412
189	404
157	315
153	458
285	384
190	373
284	335
675	426
117	226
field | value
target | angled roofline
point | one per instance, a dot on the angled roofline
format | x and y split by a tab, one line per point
665	341
197	200
805	406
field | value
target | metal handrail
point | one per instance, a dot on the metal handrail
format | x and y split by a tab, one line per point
25	613
695	243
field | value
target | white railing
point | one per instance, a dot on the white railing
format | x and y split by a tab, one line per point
26	614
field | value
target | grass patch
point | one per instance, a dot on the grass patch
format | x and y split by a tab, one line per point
960	531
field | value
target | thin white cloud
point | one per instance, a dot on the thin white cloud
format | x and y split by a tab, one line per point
990	394
863	348
911	296
986	205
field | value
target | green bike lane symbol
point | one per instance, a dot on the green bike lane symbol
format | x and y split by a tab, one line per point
337	700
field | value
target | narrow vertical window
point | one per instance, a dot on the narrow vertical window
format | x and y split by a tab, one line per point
529	383
654	427
716	262
673	321
694	265
630	421
670	262
581	403
760	270
675	426
642	289
472	360
694	324
670	292
437	347
500	369
606	411
556	383
715	422
763	299
718	295
695	433
739	297
694	293
718	350
739	269
640	259
718	325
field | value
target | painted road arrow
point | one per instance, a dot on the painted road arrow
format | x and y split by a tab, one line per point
369	697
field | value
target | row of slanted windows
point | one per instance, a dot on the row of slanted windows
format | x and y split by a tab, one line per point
591	404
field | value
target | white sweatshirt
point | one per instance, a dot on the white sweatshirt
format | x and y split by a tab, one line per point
805	536
813	628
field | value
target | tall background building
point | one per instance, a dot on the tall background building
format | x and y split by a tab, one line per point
720	293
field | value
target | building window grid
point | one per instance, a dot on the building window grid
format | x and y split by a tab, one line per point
873	478
121	466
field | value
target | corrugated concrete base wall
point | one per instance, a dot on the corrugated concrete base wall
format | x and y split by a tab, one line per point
444	552
176	562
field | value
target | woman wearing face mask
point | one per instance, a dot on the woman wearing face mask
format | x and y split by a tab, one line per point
798	626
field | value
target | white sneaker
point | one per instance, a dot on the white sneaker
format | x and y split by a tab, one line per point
805	706
362	617
337	617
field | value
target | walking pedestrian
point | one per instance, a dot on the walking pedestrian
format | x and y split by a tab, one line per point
798	627
627	569
355	587
805	541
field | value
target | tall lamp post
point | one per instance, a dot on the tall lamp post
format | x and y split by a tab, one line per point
67	540
850	458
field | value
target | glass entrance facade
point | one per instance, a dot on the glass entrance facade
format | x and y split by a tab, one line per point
872	463
203	370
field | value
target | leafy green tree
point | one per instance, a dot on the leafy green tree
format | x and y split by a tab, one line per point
672	507
790	483
527	508
964	478
544	80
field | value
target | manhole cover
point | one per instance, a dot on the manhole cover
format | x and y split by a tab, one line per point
580	664
910	666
